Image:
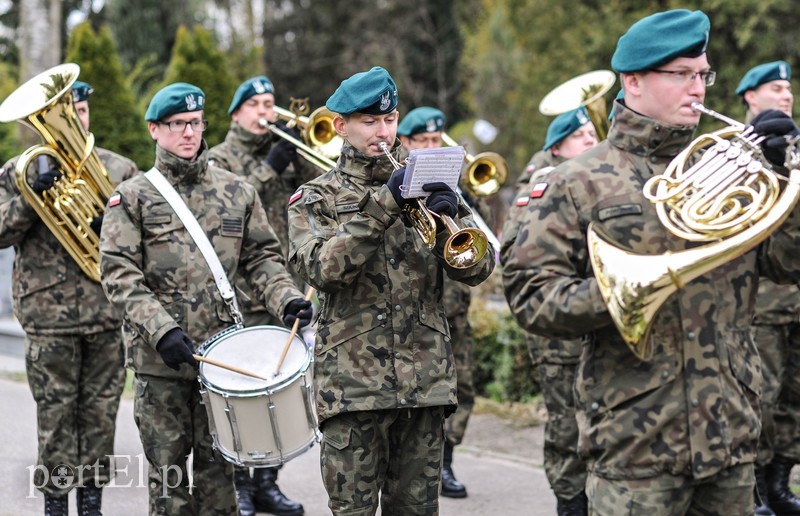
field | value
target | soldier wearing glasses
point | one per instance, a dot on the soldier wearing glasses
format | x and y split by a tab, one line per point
154	273
677	433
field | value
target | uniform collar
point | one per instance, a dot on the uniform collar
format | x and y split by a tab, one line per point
644	136
251	143
178	170
369	168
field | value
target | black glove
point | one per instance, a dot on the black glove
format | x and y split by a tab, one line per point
775	126
175	349
442	199
45	180
394	183
280	155
298	309
96	224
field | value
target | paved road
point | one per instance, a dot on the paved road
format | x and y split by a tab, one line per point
500	465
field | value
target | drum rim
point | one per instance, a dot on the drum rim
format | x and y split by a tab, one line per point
209	344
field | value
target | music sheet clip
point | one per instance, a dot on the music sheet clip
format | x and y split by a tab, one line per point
426	166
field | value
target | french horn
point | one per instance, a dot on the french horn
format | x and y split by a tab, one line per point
729	198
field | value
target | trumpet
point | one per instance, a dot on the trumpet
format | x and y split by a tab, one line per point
463	248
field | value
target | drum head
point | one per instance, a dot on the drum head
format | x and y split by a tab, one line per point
257	350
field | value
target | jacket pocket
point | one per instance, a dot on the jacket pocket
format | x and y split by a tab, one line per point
343	329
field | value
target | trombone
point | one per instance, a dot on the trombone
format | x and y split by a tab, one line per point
464	247
320	145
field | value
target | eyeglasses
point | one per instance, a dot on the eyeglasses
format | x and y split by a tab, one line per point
179	126
687	76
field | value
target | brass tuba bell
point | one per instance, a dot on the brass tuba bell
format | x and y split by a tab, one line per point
584	90
45	104
729	197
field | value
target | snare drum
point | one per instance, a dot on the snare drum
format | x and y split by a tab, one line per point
254	422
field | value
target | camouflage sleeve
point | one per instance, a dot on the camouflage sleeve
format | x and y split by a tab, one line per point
779	256
16	214
121	270
261	261
328	255
546	277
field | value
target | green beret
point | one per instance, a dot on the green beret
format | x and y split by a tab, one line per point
660	38
249	88
421	120
178	97
372	92
564	125
767	72
81	91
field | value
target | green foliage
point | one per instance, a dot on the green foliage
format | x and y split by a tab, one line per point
116	120
9	140
196	60
502	369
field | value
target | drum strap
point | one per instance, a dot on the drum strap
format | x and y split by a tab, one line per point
200	238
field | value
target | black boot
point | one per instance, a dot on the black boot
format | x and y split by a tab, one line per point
451	487
245	490
90	499
762	505
578	505
269	497
781	499
56	505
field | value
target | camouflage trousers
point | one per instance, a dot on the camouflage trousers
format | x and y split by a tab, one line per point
172	424
461	338
779	347
727	492
565	469
387	457
76	381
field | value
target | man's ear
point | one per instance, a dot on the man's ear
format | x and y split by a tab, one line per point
339	126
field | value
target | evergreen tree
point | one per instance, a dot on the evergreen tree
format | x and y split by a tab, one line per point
196	60
116	120
10	144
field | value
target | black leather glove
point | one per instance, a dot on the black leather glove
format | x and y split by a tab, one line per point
298	309
442	199
775	126
394	183
45	180
280	155
175	349
96	224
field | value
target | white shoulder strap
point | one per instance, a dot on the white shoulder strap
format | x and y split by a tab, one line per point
200	238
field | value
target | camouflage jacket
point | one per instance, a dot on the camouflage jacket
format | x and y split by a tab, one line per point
153	272
693	408
52	295
541	159
245	154
777	304
382	340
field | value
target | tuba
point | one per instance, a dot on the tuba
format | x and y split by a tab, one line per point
45	104
584	90
730	199
464	247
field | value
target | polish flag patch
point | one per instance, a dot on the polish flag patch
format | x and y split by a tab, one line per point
114	200
523	201
295	196
538	190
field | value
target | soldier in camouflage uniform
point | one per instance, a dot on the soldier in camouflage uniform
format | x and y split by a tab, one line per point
73	345
384	371
275	172
568	136
422	128
776	330
155	274
677	433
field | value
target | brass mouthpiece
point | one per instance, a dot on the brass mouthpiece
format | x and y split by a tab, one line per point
263	123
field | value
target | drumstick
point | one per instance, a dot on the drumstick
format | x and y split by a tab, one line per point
309	293
201	358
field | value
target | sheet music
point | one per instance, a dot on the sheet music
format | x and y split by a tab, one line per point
431	166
